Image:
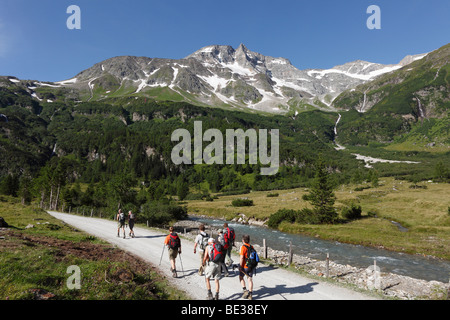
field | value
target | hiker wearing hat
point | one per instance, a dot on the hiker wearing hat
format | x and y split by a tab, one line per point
173	244
213	255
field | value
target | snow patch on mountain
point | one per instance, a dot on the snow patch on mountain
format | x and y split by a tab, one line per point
211	72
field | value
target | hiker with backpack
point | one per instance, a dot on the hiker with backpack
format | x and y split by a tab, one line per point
173	243
229	237
131	220
214	254
121	222
223	266
201	241
247	265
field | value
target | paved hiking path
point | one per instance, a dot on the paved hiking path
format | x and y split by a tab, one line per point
269	283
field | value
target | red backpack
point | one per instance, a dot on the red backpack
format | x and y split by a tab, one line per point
217	253
228	238
174	241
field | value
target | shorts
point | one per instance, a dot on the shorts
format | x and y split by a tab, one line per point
173	253
245	272
213	271
131	224
120	224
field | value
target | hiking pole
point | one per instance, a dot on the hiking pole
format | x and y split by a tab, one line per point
164	246
243	270
181	260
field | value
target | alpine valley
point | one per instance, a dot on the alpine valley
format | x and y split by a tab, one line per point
110	126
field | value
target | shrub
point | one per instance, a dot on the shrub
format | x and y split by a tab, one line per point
272	195
304	216
157	213
308	216
361	188
281	215
417	186
234	192
372	214
352	213
242	203
306	197
194	196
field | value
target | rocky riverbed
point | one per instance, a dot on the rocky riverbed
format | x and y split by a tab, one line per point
387	284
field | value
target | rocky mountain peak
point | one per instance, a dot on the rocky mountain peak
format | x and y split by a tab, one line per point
214	54
220	74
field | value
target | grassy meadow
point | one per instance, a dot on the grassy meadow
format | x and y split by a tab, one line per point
34	262
422	210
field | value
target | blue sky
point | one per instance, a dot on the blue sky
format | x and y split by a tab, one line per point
36	44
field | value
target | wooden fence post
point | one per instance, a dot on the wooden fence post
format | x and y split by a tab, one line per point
327	272
448	291
264	249
290	253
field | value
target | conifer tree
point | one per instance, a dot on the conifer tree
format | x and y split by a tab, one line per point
321	195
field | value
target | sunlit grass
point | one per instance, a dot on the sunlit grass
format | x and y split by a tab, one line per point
423	211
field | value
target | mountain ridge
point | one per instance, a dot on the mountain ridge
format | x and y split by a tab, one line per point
219	75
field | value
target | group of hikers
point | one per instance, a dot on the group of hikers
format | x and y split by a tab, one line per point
215	258
121	218
214	255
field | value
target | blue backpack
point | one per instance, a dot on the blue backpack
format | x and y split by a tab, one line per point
252	258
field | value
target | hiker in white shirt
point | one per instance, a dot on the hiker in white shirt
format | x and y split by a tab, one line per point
201	241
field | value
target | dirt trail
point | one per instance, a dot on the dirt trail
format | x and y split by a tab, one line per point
269	283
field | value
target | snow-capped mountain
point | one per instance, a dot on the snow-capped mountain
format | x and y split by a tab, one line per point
221	75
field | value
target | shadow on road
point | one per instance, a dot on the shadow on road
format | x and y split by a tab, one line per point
281	290
150	237
186	273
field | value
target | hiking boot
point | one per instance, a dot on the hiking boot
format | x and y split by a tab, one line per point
210	296
245	295
250	296
217	296
174	273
